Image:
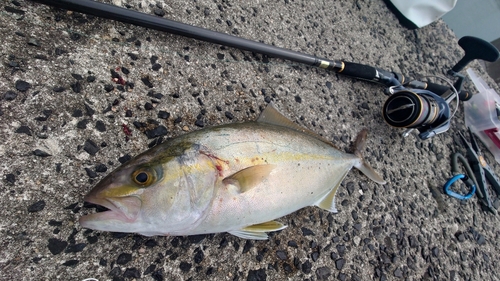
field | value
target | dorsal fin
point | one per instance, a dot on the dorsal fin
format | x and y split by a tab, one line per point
272	116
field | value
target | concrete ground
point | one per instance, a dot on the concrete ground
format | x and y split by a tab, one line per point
74	87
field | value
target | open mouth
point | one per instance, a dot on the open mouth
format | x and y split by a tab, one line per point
110	211
105	212
98	208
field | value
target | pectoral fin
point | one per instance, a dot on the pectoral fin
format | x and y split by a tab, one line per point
258	231
247	178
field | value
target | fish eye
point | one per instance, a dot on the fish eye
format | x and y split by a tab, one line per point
143	177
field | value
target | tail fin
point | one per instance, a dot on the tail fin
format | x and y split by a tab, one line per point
364	167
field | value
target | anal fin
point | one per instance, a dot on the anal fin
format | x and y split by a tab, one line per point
328	202
258	231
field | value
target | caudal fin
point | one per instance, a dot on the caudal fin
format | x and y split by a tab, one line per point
365	168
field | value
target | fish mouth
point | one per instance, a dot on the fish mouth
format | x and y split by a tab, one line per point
111	212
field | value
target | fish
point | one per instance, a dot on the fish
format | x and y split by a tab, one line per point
236	178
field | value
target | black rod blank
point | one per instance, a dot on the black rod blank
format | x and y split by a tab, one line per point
120	14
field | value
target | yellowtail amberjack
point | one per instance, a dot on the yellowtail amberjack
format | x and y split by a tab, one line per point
234	178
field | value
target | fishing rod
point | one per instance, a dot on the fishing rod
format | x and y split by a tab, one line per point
412	104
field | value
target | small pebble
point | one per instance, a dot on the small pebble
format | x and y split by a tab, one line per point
10	96
435	251
323	273
109	87
257	275
159	12
150	243
146	82
90	173
229	115
163	114
101	168
132	273
481	240
124	258
281	255
156	132
22	86
24	130
76	87
10	178
315	256
90	111
199	123
339	264
306	267
77	76
75	36
56	246
91	147
36	207
115	272
398	273
71	263
185	266
150	269
92	239
198	256
133	56
460	236
40	153
124	159
307	232
99	125
334	256
33	42
156	66
77	113
82	124
75	248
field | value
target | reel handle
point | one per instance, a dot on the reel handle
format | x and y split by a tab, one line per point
475	48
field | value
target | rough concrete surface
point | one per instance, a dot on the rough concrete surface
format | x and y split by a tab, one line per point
78	94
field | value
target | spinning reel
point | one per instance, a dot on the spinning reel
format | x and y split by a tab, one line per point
425	106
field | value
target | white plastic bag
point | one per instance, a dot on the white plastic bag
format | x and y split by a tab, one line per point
423	12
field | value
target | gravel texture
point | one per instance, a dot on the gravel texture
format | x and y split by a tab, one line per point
81	95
